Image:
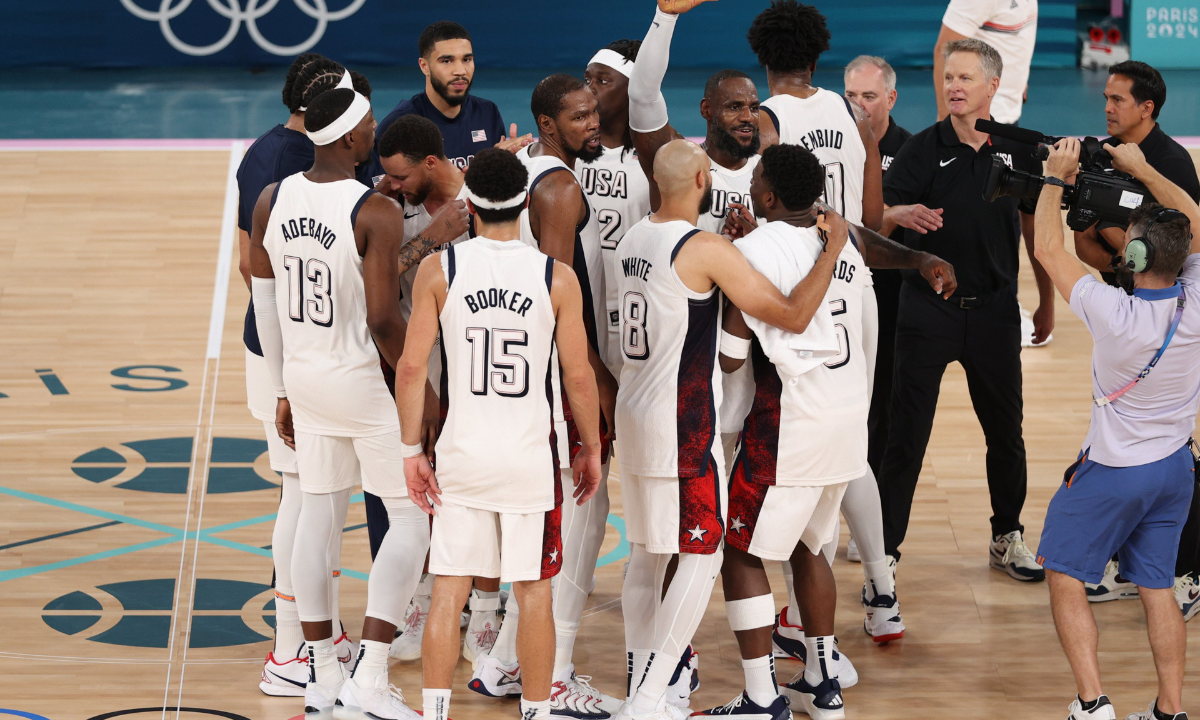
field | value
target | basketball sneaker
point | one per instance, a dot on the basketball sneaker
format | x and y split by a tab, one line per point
495	679
1187	596
384	701
821	702
685	680
573	696
482	627
746	709
787	641
1112	587
407	645
284	679
852	553
1148	714
347	649
1102	711
319	698
883	622
1010	554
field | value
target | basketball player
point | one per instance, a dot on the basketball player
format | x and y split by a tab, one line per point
421	176
671	460
319	326
501	308
560	221
788	38
282	151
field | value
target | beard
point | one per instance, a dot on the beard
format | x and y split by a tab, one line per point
583	153
421	195
724	141
442	89
706	201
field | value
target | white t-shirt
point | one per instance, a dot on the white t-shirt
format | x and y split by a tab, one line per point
1158	415
1010	26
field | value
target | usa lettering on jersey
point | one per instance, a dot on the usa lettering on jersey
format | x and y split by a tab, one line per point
604	182
497	298
721	200
307	227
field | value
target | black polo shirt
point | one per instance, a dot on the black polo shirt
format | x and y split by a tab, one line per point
980	238
887	282
1166	156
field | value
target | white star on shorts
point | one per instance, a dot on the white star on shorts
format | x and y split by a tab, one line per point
697	534
737	525
554	555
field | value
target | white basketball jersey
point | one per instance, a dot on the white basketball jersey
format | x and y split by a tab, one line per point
618	191
824	123
670	385
497	449
728	186
811	429
330	363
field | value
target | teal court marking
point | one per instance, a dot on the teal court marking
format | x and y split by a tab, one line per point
65	533
207	536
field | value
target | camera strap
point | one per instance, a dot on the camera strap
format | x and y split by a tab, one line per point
1179	303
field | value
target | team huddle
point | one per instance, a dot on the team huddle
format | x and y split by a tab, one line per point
478	338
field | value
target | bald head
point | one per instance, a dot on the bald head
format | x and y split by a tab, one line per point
681	169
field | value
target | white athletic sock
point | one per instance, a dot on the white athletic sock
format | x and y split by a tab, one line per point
323	662
505	649
636	662
436	704
564	645
641	598
820	659
289	638
793	608
372	662
760	680
484	600
531	710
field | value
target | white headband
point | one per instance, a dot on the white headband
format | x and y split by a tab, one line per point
346	82
346	122
495	204
614	60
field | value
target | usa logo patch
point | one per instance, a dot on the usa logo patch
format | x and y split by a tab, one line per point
478	136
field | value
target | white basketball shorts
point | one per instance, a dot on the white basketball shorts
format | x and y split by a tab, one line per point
260	398
329	464
768	521
675	515
515	547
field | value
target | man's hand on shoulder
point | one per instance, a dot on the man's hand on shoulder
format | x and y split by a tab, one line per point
449	222
833	229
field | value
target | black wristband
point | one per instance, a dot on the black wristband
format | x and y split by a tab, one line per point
1055	181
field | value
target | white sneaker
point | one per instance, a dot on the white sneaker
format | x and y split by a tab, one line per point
495	679
1148	714
1027	331
1187	596
573	696
787	641
883	622
284	679
852	553
626	713
1103	710
384	701
407	645
686	679
1112	587
347	650
892	561
1010	554
819	702
482	628
321	698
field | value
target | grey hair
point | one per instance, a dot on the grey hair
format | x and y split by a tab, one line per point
989	59
862	61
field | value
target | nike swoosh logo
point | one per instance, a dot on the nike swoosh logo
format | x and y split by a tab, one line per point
409	217
289	680
1193	594
944	164
655	23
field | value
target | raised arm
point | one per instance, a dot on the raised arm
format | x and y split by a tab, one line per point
578	378
448	223
1064	269
1129	158
648	120
429	295
884	253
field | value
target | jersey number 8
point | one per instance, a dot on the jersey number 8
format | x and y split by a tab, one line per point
320	305
511	375
633	326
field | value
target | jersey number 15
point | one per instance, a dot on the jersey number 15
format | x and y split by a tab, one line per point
493	362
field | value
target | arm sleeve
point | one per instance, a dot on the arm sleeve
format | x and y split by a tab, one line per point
966	16
270	335
647	106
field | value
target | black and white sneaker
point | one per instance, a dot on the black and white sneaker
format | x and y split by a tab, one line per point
746	709
822	702
1103	710
883	622
1150	714
1010	554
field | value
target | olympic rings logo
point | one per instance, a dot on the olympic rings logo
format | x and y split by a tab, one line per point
168	10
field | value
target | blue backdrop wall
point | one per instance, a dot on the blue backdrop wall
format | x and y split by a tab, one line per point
515	34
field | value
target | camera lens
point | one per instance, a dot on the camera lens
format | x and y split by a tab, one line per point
1003	181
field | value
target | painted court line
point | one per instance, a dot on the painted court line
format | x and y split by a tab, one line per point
65	533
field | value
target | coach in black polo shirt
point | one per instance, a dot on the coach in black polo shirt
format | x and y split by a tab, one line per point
943	168
1133	97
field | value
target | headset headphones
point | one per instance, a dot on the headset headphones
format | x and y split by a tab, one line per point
1139	253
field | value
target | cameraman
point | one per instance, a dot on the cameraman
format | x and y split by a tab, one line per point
1133	97
1131	487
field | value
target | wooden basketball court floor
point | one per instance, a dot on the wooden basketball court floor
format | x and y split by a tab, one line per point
136	499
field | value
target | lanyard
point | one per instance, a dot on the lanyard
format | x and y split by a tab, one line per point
1101	402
